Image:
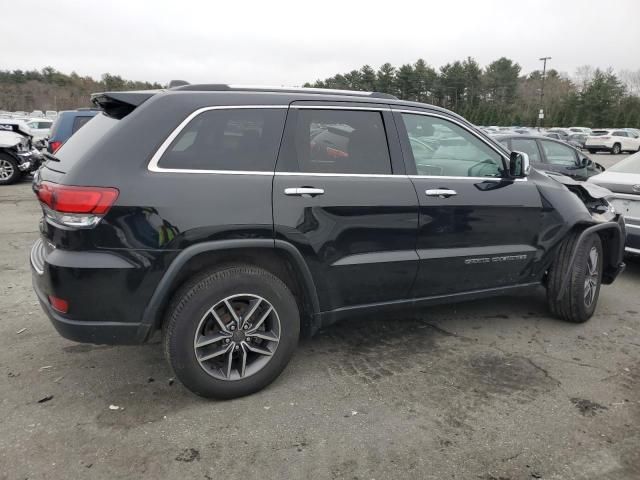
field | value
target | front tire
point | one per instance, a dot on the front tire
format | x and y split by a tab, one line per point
578	303
9	172
230	332
592	151
616	150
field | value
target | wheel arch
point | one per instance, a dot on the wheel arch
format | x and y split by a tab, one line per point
278	257
612	237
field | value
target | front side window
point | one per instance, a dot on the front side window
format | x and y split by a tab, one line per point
242	139
340	141
528	146
558	154
442	148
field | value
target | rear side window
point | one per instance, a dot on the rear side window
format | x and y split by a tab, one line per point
558	154
528	146
618	133
340	141
245	139
79	122
78	145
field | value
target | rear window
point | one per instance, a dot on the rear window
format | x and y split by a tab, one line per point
80	142
244	139
80	122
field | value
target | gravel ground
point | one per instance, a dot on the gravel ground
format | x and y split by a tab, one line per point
491	390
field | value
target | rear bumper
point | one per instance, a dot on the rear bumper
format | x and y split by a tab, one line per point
99	333
107	293
598	147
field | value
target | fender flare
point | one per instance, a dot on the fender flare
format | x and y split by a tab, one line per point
163	289
615	261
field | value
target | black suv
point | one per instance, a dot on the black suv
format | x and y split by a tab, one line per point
233	220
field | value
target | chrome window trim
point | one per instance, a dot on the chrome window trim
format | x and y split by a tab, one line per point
153	163
340	107
355	175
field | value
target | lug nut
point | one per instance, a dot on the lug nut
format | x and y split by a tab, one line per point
237	348
226	340
232	327
246	327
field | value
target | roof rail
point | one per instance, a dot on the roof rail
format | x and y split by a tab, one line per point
223	87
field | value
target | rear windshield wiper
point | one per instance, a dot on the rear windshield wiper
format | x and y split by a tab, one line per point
50	156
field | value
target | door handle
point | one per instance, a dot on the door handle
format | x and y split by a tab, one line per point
304	191
440	193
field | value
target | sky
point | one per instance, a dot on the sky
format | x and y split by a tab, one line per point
291	42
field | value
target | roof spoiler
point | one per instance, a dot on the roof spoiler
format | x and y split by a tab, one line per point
120	104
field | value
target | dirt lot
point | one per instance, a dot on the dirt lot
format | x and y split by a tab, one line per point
490	390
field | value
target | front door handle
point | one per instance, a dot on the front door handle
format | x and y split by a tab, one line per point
440	193
304	191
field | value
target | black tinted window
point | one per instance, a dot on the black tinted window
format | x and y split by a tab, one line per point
79	122
340	141
233	139
528	146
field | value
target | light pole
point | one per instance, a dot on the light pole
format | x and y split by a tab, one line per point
544	72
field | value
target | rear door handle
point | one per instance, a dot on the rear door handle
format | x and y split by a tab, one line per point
440	193
303	191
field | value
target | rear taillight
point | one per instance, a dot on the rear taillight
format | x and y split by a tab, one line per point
59	304
54	146
73	206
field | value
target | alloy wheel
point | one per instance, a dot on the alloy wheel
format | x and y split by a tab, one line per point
592	277
237	337
6	169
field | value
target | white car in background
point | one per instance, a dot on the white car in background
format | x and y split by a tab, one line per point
612	140
583	130
40	128
52	114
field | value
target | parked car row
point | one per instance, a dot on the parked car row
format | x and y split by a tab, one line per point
612	140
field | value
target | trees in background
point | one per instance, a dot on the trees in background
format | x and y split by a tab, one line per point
48	89
500	94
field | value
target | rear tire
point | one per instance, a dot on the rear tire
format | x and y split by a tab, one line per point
592	152
198	313
580	298
616	150
9	172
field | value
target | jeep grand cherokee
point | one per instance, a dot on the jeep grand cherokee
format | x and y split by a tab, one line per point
234	219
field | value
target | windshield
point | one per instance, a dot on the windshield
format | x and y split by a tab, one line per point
628	165
82	141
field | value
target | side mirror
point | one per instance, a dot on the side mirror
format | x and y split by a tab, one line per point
585	162
519	166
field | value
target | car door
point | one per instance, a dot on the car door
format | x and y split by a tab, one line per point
622	138
478	229
342	198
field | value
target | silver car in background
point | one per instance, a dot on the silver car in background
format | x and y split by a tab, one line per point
623	179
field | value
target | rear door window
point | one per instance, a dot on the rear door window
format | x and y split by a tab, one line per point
338	141
242	139
558	154
528	146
